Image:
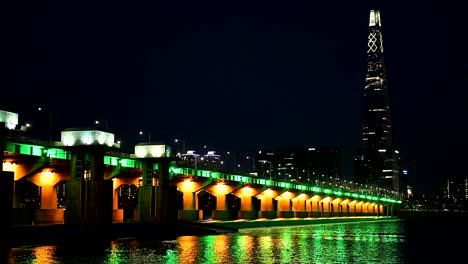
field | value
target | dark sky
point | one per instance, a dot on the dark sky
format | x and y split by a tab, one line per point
242	75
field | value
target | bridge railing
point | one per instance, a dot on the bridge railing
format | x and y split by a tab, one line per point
249	179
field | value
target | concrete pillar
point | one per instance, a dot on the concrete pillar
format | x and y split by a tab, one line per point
299	205
315	208
365	208
189	189
345	207
266	207
246	194
325	205
146	193
220	190
285	205
73	187
6	199
48	197
89	196
166	195
337	207
352	208
117	214
190	201
360	208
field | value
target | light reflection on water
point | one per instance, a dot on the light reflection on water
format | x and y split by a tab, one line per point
363	242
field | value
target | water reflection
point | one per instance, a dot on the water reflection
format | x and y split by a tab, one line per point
371	242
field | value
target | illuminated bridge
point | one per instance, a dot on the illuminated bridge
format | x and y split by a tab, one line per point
81	178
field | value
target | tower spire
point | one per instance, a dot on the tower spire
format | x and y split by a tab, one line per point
377	162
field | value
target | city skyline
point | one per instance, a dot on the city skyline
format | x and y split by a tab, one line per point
240	77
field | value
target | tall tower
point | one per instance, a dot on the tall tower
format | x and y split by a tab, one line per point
376	162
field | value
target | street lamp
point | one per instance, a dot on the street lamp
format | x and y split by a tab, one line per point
149	135
234	159
97	122
50	123
183	144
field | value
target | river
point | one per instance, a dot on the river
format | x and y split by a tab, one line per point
417	240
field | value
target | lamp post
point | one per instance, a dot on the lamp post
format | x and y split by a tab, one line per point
97	122
50	123
149	135
234	159
183	144
269	161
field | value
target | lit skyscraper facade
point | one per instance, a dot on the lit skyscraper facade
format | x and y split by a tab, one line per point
377	161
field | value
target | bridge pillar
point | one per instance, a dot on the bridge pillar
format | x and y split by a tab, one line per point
299	205
352	208
246	196
336	207
325	205
156	198
220	190
360	208
166	195
146	193
189	188
344	205
267	209
285	204
365	208
6	199
88	195
48	212
6	187
315	208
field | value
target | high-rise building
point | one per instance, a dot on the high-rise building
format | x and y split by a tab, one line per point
211	161
266	164
324	163
283	165
377	162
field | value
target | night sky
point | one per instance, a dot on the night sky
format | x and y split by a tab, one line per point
242	75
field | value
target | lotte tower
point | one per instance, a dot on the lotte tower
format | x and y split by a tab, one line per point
376	161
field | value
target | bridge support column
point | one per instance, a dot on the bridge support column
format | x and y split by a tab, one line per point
48	213
189	210
285	205
6	199
220	190
146	192
245	195
345	208
299	206
156	198
365	209
336	207
267	209
190	188
48	197
325	205
315	208
89	196
117	214
360	208
166	195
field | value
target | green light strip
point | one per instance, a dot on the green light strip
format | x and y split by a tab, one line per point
37	150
